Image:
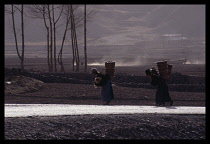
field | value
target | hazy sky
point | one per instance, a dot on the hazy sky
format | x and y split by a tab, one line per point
125	31
123	24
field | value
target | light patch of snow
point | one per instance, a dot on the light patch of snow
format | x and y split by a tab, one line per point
24	110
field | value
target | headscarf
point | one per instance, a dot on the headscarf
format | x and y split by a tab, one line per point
148	72
94	71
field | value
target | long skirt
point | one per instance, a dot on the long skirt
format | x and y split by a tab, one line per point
162	94
107	92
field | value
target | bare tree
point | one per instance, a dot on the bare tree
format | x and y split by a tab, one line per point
54	31
41	12
77	21
85	47
48	39
23	43
67	14
46	12
81	17
51	39
13	9
14	29
73	19
74	41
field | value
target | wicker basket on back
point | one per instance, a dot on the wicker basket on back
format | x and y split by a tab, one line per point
164	69
110	68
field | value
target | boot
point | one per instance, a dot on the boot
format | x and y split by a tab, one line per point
106	103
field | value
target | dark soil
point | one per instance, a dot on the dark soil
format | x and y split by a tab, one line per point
188	91
59	93
114	127
77	88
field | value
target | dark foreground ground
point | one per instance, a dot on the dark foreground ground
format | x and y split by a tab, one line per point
135	126
106	127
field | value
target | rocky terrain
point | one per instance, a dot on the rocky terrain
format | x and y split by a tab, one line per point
107	127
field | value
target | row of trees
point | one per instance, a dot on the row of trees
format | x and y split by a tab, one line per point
66	17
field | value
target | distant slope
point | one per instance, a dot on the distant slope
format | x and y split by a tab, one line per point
124	24
182	19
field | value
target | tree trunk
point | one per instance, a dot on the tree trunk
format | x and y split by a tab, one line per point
48	41
51	41
15	34
61	50
85	42
23	45
74	40
54	31
64	36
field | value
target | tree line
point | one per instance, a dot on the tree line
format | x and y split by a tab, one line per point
66	17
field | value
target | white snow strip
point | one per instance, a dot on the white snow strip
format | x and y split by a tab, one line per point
24	110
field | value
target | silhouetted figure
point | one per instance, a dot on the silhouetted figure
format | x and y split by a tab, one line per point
103	81
162	94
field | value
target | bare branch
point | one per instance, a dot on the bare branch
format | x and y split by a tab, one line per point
59	15
36	11
17	8
7	9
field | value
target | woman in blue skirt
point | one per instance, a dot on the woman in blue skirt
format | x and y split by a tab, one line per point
103	81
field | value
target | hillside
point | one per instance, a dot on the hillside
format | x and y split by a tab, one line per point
181	19
125	24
